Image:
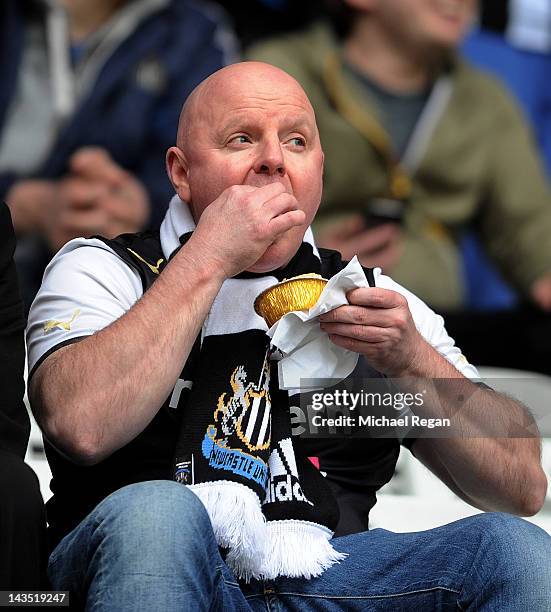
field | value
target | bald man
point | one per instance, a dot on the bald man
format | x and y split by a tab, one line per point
140	348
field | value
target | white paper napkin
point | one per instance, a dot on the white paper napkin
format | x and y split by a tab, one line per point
307	350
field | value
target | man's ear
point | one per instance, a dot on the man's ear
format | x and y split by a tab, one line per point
177	169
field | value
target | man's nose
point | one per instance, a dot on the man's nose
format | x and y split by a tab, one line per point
270	159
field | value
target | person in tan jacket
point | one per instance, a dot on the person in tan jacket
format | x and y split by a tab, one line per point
413	134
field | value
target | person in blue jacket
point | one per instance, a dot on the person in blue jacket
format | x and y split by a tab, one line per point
91	91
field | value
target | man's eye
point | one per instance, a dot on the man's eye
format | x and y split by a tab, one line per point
297	141
241	139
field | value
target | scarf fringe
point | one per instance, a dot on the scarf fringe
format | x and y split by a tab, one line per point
294	548
236	516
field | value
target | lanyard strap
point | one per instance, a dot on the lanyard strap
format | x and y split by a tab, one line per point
399	170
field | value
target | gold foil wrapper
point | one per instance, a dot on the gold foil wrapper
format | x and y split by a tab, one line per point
298	293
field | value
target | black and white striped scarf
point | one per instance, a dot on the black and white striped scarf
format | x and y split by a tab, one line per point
269	506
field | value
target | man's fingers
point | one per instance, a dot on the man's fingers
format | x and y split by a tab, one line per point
271	190
250	193
377	297
367	306
280	203
283	223
271	205
351	344
245	221
247	196
362	333
359	315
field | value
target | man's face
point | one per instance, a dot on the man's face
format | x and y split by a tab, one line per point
440	23
255	127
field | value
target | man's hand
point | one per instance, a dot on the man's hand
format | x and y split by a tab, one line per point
31	203
490	472
97	197
239	226
232	234
377	323
541	292
379	246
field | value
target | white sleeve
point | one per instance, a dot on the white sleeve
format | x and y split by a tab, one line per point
430	325
85	287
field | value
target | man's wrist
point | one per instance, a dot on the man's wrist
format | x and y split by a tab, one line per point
203	266
420	362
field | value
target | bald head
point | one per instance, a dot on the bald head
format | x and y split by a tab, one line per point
237	80
249	124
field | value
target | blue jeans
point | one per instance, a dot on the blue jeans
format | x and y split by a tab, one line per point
150	546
